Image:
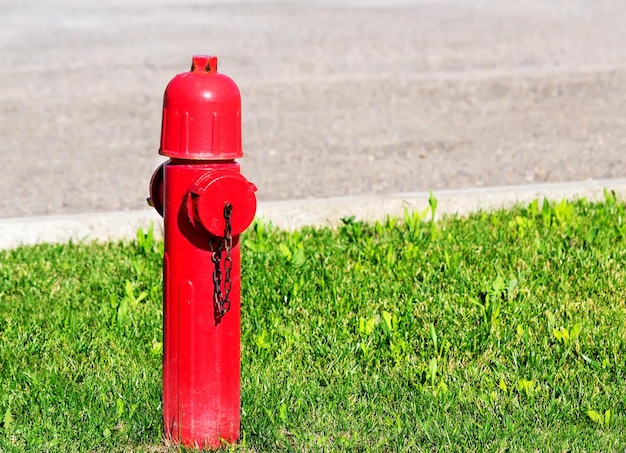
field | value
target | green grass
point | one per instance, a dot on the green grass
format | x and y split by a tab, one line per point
501	331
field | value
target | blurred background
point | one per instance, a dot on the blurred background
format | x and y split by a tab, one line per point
339	97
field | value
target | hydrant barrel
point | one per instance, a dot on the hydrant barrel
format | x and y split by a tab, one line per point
206	204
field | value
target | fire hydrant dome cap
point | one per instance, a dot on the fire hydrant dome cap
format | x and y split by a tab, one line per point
201	114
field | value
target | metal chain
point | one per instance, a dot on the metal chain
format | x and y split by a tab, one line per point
222	299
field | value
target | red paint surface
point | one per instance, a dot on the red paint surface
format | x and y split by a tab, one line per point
201	350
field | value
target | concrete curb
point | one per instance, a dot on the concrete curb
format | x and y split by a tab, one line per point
295	214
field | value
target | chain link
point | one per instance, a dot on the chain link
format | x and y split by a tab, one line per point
222	299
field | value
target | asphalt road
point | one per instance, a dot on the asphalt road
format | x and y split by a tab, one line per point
339	97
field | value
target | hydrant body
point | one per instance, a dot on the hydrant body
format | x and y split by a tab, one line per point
206	203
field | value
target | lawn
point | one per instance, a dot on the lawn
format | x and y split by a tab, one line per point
503	330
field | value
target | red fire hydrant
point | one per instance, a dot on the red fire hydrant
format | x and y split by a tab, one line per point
206	203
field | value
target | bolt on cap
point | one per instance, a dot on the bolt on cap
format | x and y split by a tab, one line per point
204	63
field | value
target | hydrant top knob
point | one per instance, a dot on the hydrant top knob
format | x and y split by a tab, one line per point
201	114
204	63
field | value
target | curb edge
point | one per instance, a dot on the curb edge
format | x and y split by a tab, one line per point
295	214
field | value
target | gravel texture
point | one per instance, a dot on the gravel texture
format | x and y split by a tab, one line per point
339	97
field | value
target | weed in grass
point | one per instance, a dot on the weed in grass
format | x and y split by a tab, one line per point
500	331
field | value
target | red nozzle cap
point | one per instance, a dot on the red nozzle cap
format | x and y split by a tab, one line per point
210	194
201	114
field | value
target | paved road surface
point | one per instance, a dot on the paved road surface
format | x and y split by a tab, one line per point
339	97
